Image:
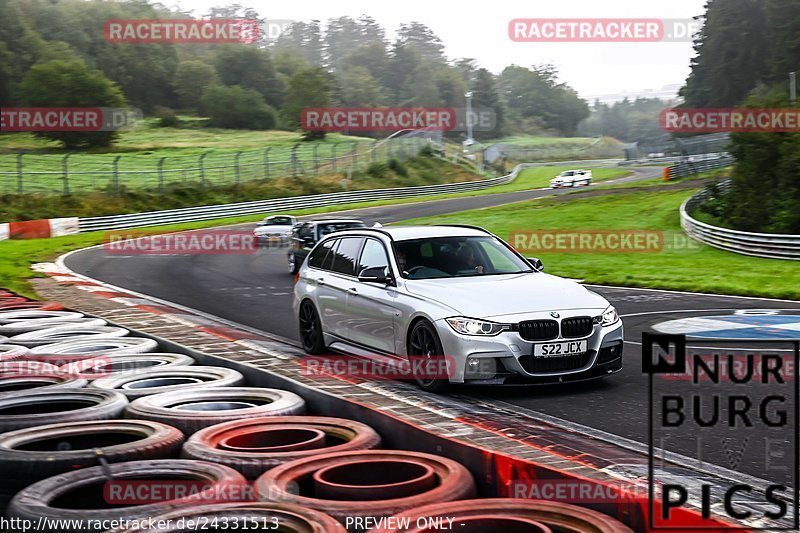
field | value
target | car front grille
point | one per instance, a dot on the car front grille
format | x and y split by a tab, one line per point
579	326
543	365
538	330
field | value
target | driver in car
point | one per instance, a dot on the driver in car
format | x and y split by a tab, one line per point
467	257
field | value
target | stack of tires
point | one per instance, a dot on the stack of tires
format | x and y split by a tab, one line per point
100	431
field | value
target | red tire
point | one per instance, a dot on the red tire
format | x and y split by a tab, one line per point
372	473
255	445
490	514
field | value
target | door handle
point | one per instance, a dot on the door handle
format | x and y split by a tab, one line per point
353	291
321	282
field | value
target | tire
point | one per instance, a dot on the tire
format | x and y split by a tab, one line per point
48	499
66	333
481	515
423	341
108	365
170	407
23	315
377	473
32	454
310	329
10	352
241	445
25	326
137	384
20	377
294	268
276	516
62	353
66	405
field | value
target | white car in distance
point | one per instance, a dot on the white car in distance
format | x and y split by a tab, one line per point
572	178
275	229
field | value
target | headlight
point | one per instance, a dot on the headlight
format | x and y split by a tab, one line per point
470	326
608	317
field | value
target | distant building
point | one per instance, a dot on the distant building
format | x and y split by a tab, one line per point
667	92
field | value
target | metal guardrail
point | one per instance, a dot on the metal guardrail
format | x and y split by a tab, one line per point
689	166
210	212
769	245
188	214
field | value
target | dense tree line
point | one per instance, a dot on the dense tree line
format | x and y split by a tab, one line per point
745	52
346	61
629	121
743	44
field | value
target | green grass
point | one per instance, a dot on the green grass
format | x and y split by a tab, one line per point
141	149
419	170
692	267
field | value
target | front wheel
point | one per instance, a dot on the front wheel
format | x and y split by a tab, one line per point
311	329
424	344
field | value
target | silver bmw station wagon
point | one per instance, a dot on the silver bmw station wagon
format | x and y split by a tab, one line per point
457	293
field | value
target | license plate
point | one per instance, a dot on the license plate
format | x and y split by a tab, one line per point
560	349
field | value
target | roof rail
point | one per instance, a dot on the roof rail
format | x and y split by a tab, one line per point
467	226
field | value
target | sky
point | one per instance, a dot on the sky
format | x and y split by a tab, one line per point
480	30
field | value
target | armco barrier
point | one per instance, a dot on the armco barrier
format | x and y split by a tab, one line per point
773	246
65	226
137	220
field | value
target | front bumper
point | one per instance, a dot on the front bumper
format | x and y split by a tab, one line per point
508	358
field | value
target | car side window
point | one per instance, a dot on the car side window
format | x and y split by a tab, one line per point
346	255
317	257
373	256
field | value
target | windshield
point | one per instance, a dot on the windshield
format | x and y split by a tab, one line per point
278	221
330	227
447	257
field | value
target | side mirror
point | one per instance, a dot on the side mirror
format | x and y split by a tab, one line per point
376	275
536	263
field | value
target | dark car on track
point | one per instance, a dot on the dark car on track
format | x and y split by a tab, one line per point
306	235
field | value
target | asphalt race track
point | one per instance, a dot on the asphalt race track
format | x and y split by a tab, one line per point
255	290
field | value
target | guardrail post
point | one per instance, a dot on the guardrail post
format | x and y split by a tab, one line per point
20	186
266	163
161	173
202	170
115	165
314	152
65	173
237	170
666	173
333	159
355	155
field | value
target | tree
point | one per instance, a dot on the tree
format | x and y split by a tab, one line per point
303	39
309	87
237	108
357	88
70	83
191	79
485	95
731	49
422	39
249	67
344	34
